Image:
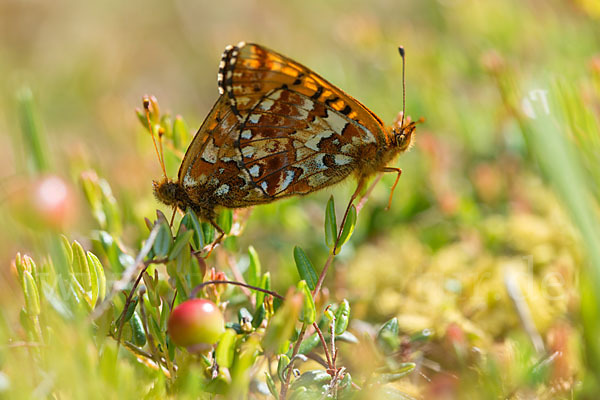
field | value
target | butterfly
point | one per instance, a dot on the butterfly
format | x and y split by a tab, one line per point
277	130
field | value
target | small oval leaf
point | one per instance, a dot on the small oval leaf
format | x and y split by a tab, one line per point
348	227
330	224
225	220
309	312
265	283
342	316
254	269
226	348
81	267
182	240
163	241
305	268
282	367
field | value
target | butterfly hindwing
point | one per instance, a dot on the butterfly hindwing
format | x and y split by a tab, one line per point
291	144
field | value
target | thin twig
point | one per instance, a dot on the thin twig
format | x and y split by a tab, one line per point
129	273
286	384
324	344
127	303
333	349
203	284
365	197
237	275
322	276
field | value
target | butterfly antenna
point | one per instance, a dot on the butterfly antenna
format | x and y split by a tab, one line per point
159	154
401	51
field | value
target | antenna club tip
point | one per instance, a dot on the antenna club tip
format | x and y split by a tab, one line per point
401	51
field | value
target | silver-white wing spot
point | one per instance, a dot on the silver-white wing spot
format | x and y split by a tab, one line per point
222	190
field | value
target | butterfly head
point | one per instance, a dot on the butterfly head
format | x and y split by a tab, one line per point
170	193
403	132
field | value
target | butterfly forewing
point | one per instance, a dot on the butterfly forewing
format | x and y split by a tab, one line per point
250	71
211	167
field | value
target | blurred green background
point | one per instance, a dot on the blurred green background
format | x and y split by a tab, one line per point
486	192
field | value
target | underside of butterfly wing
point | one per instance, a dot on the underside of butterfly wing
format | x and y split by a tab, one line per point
292	144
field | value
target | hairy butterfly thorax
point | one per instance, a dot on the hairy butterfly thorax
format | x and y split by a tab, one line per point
278	130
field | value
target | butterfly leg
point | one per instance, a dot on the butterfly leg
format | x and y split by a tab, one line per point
218	239
361	183
399	172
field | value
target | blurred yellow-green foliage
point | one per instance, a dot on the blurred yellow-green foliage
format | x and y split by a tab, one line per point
491	199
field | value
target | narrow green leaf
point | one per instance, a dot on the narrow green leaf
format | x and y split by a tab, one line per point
281	325
166	124
225	351
346	390
32	136
282	364
271	386
163	241
208	231
157	333
317	380
346	337
348	226
181	242
305	268
265	283
141	117
180	132
190	221
171	348
81	267
309	312
68	251
330	224
19	265
130	310
342	316
309	344
93	280
31	294
98	269
259	315
254	269
387	337
225	220
164	316
246	357
110	207
138	336
398	373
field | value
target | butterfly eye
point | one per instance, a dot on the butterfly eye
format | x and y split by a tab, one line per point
400	139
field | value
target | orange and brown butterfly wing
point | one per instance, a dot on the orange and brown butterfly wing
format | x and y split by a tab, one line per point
299	133
291	144
278	129
248	71
210	172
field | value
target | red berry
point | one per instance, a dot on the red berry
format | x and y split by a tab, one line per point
196	324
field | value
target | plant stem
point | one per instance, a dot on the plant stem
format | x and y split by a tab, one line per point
324	343
203	284
286	384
